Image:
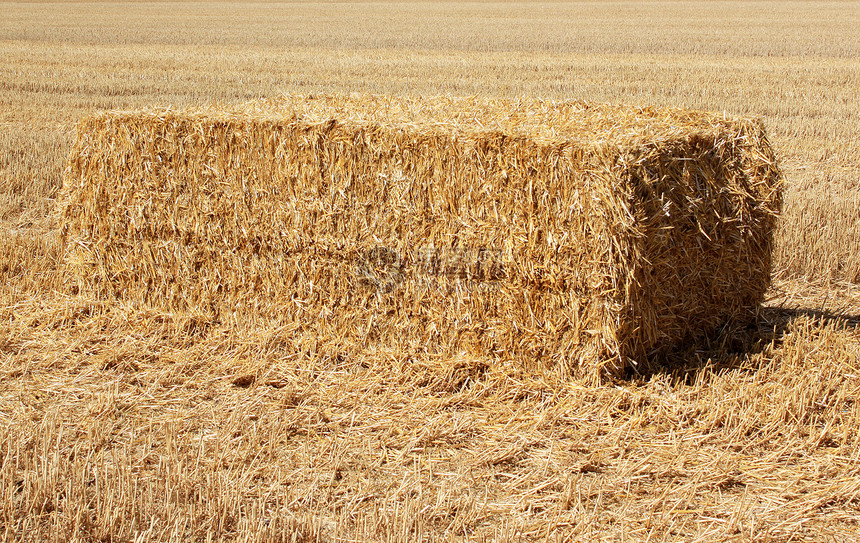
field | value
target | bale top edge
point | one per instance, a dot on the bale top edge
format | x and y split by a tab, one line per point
543	121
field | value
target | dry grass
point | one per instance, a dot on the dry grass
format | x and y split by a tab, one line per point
120	424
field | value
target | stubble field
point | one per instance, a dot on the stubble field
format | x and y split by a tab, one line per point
122	424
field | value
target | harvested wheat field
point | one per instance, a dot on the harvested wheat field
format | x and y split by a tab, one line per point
435	368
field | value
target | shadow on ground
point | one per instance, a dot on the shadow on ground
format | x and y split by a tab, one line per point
738	346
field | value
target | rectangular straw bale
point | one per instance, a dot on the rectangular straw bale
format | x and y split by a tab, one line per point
572	236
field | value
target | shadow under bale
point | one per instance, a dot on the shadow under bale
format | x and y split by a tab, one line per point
737	346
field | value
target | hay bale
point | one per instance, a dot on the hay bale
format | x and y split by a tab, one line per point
568	235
